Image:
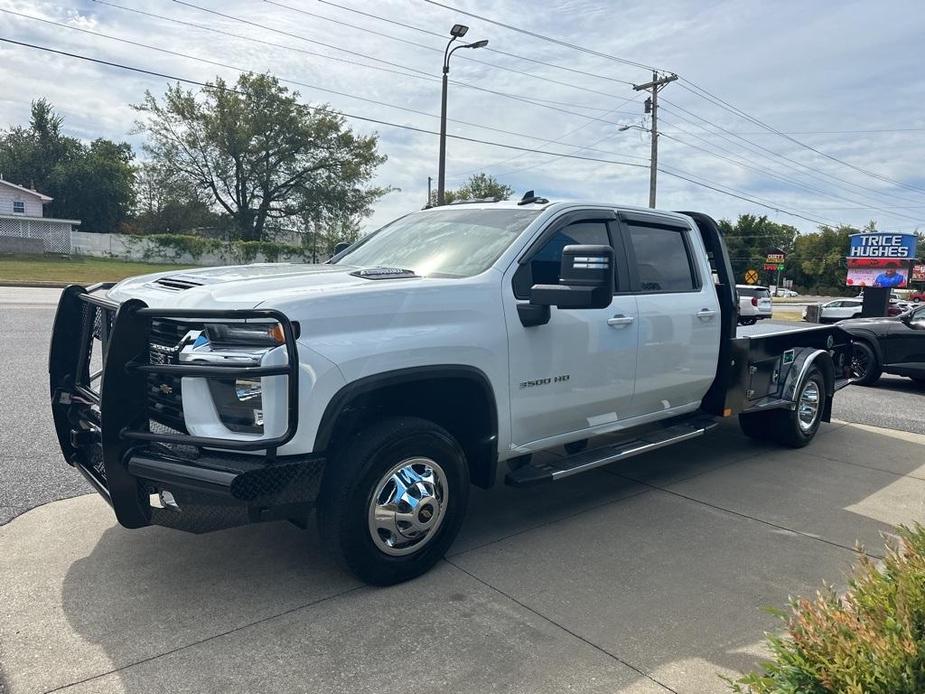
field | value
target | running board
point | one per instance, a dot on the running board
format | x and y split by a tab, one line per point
537	473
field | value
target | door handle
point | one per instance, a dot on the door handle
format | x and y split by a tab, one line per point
619	321
706	313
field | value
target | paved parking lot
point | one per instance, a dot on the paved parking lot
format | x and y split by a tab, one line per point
647	576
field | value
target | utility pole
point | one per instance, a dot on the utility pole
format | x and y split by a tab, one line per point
655	85
429	179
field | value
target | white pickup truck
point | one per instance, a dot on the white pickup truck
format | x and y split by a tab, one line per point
441	351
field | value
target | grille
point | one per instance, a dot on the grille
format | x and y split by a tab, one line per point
165	396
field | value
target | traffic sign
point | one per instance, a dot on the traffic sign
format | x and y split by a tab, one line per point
751	277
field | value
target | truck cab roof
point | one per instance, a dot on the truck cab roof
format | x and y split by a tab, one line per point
554	206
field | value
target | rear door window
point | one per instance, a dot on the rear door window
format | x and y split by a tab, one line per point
663	259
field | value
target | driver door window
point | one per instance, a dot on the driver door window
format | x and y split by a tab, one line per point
544	267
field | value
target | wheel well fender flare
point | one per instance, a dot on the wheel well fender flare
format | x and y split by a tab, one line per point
803	361
482	471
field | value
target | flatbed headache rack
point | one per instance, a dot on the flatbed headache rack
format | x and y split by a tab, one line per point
754	373
100	428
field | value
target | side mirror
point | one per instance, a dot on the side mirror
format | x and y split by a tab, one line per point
585	279
341	246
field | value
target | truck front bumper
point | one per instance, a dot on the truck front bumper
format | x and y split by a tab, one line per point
100	373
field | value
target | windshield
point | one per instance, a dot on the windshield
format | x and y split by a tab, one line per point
447	243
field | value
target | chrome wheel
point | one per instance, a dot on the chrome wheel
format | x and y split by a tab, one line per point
408	506
808	407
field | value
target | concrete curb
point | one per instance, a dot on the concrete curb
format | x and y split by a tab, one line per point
36	283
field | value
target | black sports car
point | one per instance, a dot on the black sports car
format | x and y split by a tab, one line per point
894	345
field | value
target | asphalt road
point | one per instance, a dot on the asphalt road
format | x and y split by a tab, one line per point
33	472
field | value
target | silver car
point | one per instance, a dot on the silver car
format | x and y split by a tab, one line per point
837	310
754	303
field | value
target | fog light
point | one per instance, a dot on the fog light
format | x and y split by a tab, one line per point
247	388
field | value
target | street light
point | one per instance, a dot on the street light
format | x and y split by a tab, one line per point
458	31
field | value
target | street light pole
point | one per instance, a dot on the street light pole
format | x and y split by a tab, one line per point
458	31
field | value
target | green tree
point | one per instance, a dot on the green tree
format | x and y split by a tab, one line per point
480	186
818	260
261	155
751	238
169	203
93	183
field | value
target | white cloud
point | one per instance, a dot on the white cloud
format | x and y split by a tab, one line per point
798	66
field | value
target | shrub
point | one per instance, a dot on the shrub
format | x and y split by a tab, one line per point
869	641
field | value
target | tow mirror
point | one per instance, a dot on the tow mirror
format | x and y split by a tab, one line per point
585	279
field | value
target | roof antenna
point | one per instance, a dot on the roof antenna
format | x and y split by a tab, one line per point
529	198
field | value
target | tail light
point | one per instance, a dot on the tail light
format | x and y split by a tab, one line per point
754	301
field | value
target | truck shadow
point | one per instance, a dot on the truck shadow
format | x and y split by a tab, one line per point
654	577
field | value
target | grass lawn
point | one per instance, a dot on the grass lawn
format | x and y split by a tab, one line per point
80	270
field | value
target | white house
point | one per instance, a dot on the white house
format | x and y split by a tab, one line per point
24	228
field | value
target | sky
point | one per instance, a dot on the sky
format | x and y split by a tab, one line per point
841	80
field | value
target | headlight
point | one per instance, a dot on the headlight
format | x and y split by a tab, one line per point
238	401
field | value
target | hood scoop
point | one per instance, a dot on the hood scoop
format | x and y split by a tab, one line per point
176	284
383	273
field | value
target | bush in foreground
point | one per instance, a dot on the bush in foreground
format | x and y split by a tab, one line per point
869	641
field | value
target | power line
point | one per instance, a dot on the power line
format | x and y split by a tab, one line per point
831	132
487	48
556	140
734	192
505	95
494	66
774	175
706	95
777	155
241	69
377	121
345	114
543	37
417	74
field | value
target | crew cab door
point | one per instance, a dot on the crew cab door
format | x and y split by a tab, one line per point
577	371
679	313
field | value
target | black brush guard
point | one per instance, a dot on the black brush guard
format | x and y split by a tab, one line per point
105	432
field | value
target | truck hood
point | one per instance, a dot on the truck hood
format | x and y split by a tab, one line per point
237	286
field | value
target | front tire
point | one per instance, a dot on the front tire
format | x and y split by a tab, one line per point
865	367
393	499
794	428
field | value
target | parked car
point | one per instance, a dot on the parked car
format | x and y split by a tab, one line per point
916	295
838	310
442	350
754	303
786	293
894	345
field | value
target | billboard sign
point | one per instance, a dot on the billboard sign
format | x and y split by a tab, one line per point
883	245
877	273
918	273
